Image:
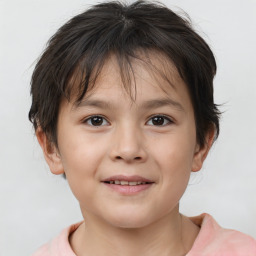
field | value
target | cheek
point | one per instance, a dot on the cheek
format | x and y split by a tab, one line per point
176	151
175	158
80	158
80	151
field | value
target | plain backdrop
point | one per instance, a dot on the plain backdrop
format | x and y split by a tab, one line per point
35	205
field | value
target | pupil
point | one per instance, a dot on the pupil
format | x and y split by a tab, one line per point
158	120
97	120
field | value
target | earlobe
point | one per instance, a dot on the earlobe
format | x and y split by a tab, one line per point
202	152
51	153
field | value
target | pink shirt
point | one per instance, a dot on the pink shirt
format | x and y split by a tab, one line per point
212	240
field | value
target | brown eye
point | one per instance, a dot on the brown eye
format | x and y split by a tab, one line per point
159	121
96	121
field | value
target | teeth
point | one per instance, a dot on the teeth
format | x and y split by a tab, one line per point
124	182
132	183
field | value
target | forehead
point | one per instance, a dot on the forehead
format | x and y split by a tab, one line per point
134	75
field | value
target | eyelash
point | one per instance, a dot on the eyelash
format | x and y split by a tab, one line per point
169	120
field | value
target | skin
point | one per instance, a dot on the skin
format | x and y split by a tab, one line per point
128	142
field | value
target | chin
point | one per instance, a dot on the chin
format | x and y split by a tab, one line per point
130	220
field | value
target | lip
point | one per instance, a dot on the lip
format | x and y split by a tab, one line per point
128	178
127	189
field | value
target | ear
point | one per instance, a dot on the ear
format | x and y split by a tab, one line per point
51	153
202	152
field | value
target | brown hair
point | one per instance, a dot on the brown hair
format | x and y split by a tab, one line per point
86	41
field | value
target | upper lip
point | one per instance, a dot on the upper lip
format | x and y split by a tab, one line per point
128	178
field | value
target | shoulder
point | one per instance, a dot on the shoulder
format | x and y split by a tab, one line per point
43	251
215	240
59	245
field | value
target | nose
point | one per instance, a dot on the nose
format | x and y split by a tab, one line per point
128	145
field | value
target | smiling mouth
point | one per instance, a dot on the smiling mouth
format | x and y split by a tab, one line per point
127	183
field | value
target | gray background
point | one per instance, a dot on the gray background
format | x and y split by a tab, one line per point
35	205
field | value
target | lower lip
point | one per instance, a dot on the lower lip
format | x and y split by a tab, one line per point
129	190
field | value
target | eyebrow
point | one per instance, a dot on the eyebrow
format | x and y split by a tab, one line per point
157	103
150	104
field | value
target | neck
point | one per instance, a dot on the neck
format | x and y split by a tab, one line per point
171	235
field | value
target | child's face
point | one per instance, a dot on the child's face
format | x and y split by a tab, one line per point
128	139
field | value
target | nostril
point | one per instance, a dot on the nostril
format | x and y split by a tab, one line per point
135	158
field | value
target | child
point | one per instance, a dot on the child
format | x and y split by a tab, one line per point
122	105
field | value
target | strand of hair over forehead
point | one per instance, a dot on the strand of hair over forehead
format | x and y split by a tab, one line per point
127	44
79	49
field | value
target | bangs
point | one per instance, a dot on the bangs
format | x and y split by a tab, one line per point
141	33
84	78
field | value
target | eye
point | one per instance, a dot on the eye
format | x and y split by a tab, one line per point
159	120
96	121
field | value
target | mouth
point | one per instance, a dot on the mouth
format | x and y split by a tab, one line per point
128	185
